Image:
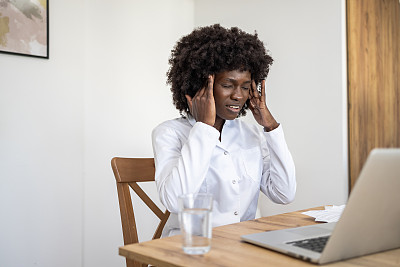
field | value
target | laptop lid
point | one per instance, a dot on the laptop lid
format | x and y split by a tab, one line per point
371	220
369	223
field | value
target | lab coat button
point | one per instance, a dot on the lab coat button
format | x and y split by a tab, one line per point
225	153
236	213
233	181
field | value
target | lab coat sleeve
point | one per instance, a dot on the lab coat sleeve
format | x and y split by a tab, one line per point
182	165
279	179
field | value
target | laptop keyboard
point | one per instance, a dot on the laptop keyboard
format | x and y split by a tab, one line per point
315	244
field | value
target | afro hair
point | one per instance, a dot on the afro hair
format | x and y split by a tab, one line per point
210	50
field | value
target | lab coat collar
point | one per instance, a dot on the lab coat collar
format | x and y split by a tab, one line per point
228	123
192	121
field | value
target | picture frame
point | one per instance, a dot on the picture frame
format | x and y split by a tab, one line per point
24	27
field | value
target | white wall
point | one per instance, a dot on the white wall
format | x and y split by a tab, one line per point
129	44
41	148
306	87
102	92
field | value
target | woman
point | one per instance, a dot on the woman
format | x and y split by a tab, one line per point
213	75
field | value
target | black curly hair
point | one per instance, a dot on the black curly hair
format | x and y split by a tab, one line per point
210	50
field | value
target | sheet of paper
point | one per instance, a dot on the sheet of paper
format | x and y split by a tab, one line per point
329	214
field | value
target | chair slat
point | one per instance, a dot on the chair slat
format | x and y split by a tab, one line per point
134	169
139	191
161	225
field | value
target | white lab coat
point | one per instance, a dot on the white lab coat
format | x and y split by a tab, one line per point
189	158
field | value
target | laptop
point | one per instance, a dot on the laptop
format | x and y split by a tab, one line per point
369	223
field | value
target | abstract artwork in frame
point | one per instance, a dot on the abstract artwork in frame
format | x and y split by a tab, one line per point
24	27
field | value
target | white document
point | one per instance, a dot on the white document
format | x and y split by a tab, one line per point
330	214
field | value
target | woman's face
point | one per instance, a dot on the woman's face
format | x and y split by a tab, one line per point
231	91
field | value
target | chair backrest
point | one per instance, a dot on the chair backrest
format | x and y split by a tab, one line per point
128	172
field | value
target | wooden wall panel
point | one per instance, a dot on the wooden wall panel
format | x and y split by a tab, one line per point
373	42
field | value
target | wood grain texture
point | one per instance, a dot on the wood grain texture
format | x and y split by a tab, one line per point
228	249
128	172
373	40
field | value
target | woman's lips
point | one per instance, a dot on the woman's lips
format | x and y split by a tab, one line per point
233	108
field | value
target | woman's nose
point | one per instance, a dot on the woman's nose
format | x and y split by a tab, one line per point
237	93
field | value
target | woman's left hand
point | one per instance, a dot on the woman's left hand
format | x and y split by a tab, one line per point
259	107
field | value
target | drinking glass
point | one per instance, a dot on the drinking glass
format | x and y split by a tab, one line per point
195	222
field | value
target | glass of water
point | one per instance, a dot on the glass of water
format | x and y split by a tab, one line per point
195	222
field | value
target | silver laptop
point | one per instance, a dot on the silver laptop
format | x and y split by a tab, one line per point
370	222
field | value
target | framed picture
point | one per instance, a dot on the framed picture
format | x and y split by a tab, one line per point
24	27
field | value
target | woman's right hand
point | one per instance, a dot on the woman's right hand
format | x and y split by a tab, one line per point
202	105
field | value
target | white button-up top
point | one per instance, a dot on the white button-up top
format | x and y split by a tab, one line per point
189	158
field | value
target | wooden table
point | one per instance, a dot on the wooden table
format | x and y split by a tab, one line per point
228	250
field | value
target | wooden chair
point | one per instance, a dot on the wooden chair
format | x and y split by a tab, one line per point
128	172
